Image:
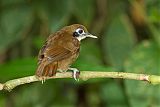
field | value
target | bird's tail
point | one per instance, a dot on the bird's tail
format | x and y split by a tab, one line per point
47	70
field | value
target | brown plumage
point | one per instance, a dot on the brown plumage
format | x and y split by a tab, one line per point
60	50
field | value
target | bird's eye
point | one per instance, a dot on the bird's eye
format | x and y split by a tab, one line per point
80	31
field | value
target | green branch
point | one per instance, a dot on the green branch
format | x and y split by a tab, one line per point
85	75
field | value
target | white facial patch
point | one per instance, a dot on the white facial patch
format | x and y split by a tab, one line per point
81	37
80	31
81	34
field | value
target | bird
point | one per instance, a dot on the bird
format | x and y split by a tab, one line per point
60	50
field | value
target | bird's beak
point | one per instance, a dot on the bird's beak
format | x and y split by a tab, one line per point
90	35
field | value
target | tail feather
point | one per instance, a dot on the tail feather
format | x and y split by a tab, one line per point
52	69
47	70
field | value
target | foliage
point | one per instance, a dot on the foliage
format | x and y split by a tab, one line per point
129	41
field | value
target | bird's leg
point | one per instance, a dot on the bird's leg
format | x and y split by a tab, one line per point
76	73
43	79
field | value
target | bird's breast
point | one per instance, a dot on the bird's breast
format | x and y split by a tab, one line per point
65	64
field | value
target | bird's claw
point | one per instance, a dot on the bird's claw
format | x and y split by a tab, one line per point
42	79
76	73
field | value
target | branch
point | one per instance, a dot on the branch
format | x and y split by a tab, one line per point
85	75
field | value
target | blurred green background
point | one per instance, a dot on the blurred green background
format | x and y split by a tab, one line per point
128	40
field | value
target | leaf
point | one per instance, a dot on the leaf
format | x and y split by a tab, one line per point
153	13
144	59
13	23
10	3
2	100
39	96
118	41
112	95
90	57
18	68
38	42
53	13
84	10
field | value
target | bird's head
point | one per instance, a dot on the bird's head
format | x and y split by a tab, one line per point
79	31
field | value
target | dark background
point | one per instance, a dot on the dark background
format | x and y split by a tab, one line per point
128	40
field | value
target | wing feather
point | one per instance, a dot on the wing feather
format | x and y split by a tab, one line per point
54	51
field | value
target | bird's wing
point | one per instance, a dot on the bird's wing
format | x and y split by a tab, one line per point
57	53
49	56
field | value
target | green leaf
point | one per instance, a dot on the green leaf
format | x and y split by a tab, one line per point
38	42
2	100
13	23
18	68
153	13
90	57
44	95
113	95
10	3
53	13
84	10
118	41
144	59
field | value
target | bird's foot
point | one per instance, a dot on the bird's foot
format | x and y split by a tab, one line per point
43	79
76	73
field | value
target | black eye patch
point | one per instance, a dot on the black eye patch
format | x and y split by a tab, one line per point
75	34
